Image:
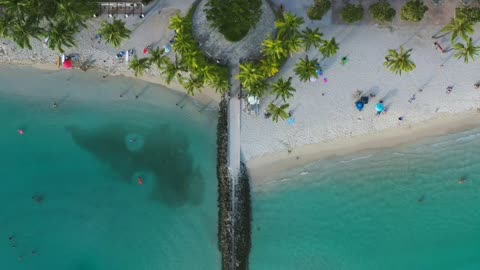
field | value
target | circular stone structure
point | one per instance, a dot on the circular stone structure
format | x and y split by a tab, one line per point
214	44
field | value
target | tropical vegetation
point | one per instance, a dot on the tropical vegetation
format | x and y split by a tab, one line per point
139	65
278	112
413	11
311	38
399	61
319	9
23	20
467	51
202	70
329	48
352	13
233	18
115	32
382	11
459	27
283	89
306	69
470	13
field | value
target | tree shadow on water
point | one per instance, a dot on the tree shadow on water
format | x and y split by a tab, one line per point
164	154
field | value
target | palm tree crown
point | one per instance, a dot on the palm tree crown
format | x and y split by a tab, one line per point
329	48
273	48
278	112
139	65
114	32
459	27
61	35
159	58
294	44
283	88
467	51
311	38
306	69
249	75
398	62
288	25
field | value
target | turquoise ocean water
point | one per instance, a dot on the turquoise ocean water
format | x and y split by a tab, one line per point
69	191
363	212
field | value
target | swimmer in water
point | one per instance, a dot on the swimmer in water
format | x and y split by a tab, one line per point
461	181
54	105
132	140
421	199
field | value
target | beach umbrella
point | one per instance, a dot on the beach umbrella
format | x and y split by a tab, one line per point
291	121
68	64
359	105
313	79
380	107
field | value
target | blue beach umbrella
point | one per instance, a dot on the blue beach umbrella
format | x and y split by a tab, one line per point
359	105
379	107
291	121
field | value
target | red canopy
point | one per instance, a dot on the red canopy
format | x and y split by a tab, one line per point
68	64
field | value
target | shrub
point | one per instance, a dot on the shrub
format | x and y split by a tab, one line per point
382	11
413	11
468	14
352	13
319	9
233	18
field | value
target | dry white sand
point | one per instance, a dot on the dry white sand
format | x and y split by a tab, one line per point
327	123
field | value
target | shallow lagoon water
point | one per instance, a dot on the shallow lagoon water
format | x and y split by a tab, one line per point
400	208
70	194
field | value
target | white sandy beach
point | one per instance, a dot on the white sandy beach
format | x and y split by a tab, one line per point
327	123
152	30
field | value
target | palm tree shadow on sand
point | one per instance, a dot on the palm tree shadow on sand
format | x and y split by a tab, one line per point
164	155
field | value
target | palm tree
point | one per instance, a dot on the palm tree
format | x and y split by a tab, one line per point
5	23
249	75
459	27
278	111
306	69
178	23
398	62
220	84
467	51
311	38
170	70
193	59
273	48
293	45
288	25
329	48
283	88
61	35
183	43
139	65
269	67
74	13
191	84
258	89
114	32
208	73
22	30
159	58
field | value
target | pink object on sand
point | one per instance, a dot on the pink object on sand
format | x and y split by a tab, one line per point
325	80
21	132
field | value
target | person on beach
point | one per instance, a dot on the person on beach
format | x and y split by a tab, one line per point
438	47
477	85
449	89
412	98
400	118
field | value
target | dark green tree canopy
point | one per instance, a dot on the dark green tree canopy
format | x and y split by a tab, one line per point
413	11
25	19
233	18
382	11
352	13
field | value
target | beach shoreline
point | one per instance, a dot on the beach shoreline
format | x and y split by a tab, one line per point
268	168
207	97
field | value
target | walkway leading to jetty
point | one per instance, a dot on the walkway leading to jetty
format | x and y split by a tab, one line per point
234	125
